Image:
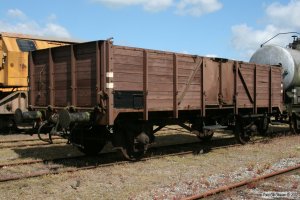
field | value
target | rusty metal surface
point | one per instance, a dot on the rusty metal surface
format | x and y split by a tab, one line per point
14	100
233	186
89	74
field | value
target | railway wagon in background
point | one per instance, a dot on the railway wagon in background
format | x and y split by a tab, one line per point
14	50
96	92
289	58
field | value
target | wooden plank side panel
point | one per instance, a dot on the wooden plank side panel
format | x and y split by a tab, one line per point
245	85
40	57
161	71
211	82
277	99
62	74
186	68
127	51
40	73
160	86
86	75
83	49
262	86
64	97
191	99
86	97
83	57
128	75
128	68
60	54
227	83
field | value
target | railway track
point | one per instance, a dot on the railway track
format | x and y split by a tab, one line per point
31	145
24	140
114	158
214	192
5	144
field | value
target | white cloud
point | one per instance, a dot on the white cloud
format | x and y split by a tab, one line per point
149	5
182	7
285	15
246	39
120	3
28	26
279	18
52	17
55	30
16	13
198	7
211	55
157	5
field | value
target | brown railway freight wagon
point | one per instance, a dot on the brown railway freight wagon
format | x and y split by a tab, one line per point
97	92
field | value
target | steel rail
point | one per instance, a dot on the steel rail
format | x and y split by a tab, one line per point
31	145
25	140
241	183
28	162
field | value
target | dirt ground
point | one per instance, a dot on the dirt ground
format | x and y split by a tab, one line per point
171	177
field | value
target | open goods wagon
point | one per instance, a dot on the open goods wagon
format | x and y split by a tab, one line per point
97	91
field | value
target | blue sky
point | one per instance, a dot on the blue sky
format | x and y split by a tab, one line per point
224	28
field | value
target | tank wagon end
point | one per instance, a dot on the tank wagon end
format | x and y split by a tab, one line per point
289	59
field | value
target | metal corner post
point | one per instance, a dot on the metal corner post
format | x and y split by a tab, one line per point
51	78
145	84
109	80
73	76
236	70
31	79
255	91
98	70
175	85
203	94
270	90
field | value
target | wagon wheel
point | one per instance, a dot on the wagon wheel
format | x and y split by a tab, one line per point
136	148
88	140
263	125
242	131
294	124
206	134
91	148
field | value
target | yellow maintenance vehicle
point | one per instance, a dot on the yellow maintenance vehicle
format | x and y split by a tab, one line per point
14	50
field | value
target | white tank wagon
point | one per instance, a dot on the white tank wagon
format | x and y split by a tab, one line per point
289	58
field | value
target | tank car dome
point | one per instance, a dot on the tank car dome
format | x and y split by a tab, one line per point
276	55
